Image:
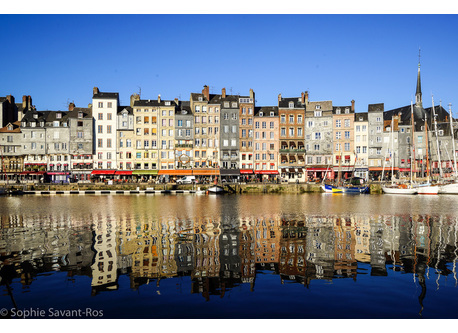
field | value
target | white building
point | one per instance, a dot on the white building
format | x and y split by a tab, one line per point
104	110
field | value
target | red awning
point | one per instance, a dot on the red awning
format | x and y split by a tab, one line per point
266	172
246	172
124	172
102	172
32	172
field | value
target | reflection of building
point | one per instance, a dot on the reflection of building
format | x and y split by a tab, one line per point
292	252
104	268
345	261
320	247
362	236
267	236
378	264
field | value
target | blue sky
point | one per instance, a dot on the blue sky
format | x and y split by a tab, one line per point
369	58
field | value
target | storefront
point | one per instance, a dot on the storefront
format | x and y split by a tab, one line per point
292	175
230	175
59	177
267	175
246	175
123	176
140	176
319	173
102	175
34	176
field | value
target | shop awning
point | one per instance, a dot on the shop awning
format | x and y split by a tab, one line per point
103	172
229	172
266	172
32	172
205	172
319	169
123	172
58	173
246	172
178	172
145	172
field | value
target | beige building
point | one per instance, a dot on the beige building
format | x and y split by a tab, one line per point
266	143
343	136
246	138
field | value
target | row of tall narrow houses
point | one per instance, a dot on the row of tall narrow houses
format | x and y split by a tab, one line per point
222	135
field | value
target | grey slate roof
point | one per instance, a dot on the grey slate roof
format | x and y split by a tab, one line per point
284	102
266	110
106	95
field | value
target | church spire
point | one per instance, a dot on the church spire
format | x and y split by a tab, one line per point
418	101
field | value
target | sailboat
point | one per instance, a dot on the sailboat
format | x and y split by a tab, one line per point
451	188
401	188
354	186
428	188
216	189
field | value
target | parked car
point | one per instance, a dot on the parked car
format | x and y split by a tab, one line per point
187	180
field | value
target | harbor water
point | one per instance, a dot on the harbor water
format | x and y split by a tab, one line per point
302	256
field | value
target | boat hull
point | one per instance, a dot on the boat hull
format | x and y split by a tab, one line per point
216	190
428	190
449	189
398	190
343	189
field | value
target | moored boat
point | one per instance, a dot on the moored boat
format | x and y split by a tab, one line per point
428	189
399	189
449	188
216	189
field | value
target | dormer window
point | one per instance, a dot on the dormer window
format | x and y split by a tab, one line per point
10	128
23	124
347	110
234	104
200	98
360	118
338	111
318	107
226	104
55	123
42	124
261	114
167	102
80	115
271	114
32	124
291	105
58	115
35	116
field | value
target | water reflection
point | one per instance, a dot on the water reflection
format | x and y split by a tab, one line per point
223	249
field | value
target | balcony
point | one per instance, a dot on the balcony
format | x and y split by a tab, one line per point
184	145
292	151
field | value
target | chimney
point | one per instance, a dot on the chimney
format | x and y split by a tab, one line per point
353	105
279	97
252	94
29	101
206	92
223	93
176	101
159	98
71	106
95	91
133	98
306	97
24	102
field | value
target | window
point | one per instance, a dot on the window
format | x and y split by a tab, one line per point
109	129
347	122
100	143
283	131
338	135
317	113
338	123
100	104
347	134
291	118
318	136
283	118
109	104
291	105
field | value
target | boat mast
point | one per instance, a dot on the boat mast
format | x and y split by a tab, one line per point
412	157
427	149
453	139
437	140
392	151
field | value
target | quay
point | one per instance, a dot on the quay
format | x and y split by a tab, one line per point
144	188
